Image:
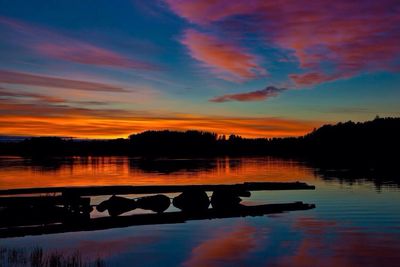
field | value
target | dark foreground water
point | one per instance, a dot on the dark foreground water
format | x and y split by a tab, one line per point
356	221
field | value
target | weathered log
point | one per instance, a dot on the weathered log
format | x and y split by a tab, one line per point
192	200
146	219
157	189
157	203
225	199
117	205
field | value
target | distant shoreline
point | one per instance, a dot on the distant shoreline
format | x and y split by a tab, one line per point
367	143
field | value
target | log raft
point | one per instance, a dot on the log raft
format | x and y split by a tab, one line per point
30	211
156	189
151	219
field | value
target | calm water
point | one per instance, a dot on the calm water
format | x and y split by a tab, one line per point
356	221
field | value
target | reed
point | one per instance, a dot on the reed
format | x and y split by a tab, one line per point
37	257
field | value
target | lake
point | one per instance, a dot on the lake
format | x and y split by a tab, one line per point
356	221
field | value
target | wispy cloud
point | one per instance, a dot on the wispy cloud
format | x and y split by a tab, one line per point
7	94
225	59
330	40
204	12
23	117
4	93
55	45
258	95
12	77
80	52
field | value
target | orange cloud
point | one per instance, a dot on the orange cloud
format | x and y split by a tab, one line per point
26	118
226	60
259	95
225	247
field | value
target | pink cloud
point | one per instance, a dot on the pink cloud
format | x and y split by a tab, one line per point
4	93
311	78
206	11
224	248
331	40
80	52
54	45
13	77
258	95
224	59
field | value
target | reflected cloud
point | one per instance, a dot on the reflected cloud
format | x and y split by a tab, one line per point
347	247
225	247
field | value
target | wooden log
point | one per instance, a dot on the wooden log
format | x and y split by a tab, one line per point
40	200
36	200
148	219
157	189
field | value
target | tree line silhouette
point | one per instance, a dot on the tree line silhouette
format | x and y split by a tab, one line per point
368	142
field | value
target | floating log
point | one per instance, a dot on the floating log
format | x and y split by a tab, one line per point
225	199
42	200
147	219
37	200
157	203
117	205
27	215
42	209
156	189
37	215
192	200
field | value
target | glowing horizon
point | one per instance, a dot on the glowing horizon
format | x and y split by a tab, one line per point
249	68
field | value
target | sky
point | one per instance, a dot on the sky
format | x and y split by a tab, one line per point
107	69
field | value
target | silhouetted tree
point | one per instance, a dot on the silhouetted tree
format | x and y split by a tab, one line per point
368	143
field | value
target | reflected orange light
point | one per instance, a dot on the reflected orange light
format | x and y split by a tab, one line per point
124	171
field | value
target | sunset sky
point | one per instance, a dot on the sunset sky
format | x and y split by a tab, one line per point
105	69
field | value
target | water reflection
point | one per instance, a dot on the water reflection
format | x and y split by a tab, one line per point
16	172
353	224
227	247
331	243
386	177
80	171
165	166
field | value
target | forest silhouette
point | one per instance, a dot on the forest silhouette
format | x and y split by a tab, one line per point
368	143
